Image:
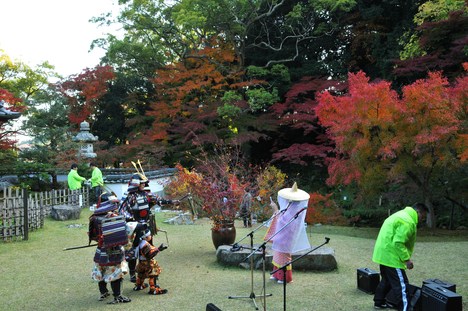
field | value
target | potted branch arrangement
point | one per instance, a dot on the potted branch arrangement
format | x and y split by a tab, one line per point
216	188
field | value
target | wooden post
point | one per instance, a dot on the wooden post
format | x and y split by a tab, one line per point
26	216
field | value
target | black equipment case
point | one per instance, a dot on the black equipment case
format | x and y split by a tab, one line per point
212	307
441	283
437	298
367	280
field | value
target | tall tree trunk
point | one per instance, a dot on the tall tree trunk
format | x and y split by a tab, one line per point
430	221
427	198
54	180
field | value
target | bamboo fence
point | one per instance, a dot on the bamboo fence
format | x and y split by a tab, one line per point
21	211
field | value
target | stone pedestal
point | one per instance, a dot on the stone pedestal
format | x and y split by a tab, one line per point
322	259
65	212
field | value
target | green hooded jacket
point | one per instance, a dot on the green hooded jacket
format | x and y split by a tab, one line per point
74	180
396	239
96	178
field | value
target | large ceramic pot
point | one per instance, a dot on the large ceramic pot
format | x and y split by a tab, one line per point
223	233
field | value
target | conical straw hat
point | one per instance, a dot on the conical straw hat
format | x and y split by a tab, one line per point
293	194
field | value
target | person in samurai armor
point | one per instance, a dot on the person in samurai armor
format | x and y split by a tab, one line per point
287	231
148	267
109	259
137	211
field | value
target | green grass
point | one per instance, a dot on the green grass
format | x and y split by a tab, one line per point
38	275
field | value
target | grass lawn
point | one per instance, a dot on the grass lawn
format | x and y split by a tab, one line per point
38	275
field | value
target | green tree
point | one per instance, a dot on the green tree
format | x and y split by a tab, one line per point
371	34
19	84
438	45
49	129
22	80
429	11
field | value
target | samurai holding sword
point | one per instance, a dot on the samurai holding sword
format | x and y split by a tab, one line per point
109	262
137	211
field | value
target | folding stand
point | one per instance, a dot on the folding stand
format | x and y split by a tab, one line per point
252	295
289	263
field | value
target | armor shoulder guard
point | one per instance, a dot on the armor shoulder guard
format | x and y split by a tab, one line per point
94	228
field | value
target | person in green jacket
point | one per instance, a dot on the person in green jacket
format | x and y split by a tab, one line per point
74	179
97	182
392	251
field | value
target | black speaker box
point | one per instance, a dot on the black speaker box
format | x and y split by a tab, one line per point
212	307
437	298
367	280
443	284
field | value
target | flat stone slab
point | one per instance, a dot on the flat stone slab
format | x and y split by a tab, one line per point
65	212
321	259
181	219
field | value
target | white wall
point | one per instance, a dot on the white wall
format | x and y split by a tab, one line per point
156	186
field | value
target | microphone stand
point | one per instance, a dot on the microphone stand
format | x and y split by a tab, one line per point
278	231
236	247
284	267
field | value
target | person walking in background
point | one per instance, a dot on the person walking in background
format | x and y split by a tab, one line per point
246	208
392	251
97	182
74	179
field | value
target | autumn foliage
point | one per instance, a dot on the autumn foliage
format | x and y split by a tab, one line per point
14	104
323	209
375	129
189	94
187	88
214	186
296	117
381	136
83	91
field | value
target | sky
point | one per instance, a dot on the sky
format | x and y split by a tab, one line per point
57	31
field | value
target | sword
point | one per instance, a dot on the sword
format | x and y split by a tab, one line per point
165	232
78	247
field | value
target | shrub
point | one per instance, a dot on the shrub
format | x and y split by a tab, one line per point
322	209
366	216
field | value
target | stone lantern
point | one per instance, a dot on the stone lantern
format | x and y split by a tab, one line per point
6	114
86	140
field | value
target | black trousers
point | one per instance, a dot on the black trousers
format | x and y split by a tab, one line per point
97	191
394	284
115	286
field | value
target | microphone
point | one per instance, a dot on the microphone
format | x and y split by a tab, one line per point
287	206
297	214
235	248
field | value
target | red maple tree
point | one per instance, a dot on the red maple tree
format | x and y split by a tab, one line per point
380	136
83	90
296	114
14	104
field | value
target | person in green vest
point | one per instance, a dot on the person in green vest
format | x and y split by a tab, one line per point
97	182
392	251
74	179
